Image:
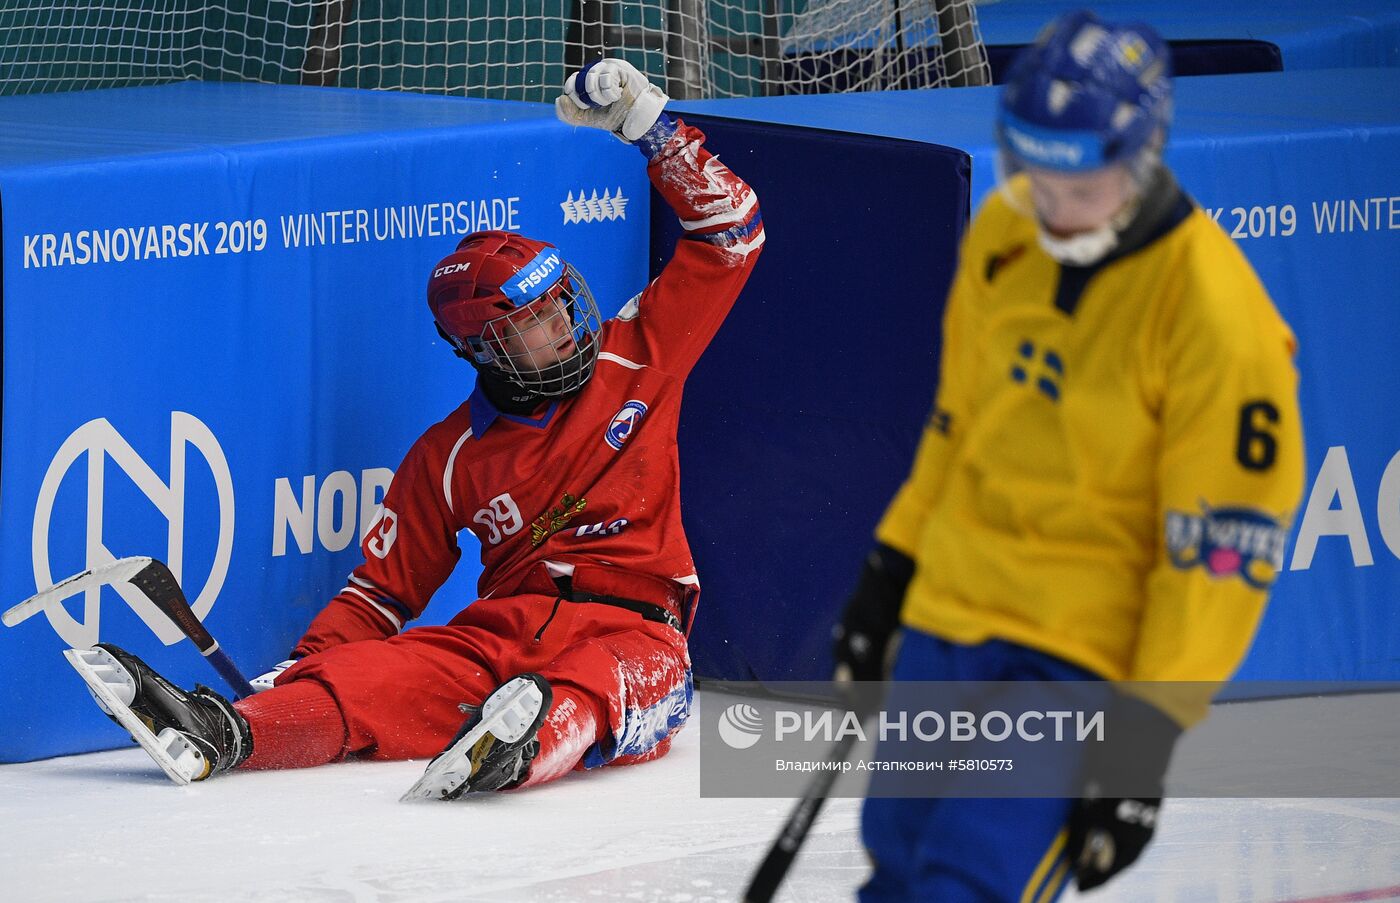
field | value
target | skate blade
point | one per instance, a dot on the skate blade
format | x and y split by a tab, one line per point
507	714
114	690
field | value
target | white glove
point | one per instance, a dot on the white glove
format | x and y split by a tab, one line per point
264	681
613	96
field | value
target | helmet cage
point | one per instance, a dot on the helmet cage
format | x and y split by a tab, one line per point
548	344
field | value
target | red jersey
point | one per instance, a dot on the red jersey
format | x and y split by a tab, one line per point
591	479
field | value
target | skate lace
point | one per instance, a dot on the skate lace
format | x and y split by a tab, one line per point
233	730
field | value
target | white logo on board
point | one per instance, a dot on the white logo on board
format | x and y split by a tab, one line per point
98	440
591	209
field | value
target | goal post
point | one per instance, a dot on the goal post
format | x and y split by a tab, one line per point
322	64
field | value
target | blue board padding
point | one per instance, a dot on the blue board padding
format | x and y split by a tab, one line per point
101	127
299	361
1205	57
1210	110
1309	35
1240	145
801	417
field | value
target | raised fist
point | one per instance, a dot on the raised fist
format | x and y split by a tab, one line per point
612	95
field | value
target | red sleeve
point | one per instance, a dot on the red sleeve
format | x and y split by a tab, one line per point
671	322
410	550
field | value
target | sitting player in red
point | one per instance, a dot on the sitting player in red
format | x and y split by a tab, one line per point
563	463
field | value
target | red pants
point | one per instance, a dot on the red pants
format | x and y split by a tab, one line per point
621	683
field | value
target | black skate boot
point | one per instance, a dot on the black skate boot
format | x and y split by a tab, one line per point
191	735
495	746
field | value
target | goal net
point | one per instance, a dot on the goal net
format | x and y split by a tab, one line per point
510	49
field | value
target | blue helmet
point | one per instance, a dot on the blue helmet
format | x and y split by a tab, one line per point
1086	94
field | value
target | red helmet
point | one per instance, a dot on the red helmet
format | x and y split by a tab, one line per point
508	302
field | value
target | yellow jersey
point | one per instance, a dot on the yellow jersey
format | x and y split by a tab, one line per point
1114	457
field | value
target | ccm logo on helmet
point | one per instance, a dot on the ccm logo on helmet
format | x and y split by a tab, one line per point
450	269
539	274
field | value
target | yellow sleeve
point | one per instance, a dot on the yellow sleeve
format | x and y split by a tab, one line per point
1230	476
904	519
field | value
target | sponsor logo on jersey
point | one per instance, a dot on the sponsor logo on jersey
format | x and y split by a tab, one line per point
612	528
1227	542
624	422
593	208
556	518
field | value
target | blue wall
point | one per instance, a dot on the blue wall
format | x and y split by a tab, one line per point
218	410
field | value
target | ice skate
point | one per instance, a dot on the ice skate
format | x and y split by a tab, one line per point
494	748
190	735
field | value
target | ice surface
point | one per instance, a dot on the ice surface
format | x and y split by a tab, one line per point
109	826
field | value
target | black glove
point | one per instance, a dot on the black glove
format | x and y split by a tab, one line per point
1113	822
862	638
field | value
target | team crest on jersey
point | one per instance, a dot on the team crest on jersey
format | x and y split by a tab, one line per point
556	518
1227	542
624	422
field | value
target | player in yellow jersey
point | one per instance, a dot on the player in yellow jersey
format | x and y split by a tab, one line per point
1104	488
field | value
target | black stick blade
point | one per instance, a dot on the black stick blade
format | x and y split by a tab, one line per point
160	586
